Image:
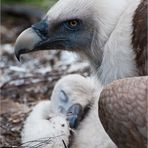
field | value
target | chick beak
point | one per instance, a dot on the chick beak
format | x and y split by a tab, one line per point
74	115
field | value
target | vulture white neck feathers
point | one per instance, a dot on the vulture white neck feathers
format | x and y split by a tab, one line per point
107	33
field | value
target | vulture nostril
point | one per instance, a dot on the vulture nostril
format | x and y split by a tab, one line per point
41	29
63	125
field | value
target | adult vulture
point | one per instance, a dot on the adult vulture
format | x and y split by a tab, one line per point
112	35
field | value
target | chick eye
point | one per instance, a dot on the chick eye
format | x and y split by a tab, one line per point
63	96
73	24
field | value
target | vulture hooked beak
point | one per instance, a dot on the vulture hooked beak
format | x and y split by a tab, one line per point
36	38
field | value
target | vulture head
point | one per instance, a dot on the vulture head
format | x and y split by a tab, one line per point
98	30
69	25
72	97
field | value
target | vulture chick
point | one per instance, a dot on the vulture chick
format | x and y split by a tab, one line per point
111	35
74	99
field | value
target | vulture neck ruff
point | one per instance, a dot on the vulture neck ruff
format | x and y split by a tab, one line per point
118	59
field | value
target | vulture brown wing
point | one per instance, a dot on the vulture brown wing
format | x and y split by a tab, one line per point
123	112
140	37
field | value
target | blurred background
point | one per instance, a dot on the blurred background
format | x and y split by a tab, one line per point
25	83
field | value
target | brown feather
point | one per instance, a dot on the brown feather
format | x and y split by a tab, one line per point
123	112
140	37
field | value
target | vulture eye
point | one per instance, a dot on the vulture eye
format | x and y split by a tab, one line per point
72	24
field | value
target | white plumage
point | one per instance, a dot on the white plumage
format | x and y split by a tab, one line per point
47	121
45	129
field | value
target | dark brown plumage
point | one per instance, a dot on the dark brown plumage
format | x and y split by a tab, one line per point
139	39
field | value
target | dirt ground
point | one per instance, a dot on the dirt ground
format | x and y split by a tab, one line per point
23	84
